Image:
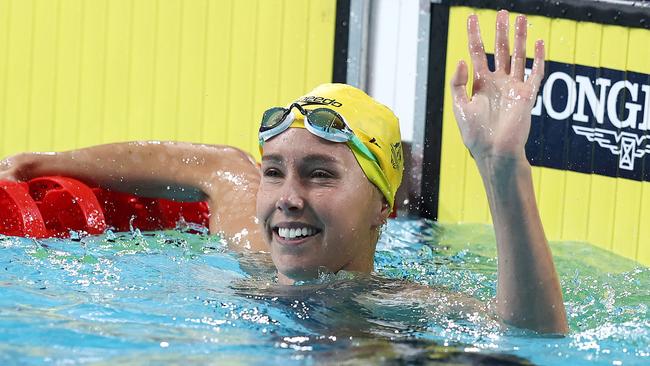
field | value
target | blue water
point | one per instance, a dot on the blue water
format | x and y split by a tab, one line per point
181	296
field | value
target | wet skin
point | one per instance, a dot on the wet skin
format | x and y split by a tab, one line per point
313	184
494	122
308	182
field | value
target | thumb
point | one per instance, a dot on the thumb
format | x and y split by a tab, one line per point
459	84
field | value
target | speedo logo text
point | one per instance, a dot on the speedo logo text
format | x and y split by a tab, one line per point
319	100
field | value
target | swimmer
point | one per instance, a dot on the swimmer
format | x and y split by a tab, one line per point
331	164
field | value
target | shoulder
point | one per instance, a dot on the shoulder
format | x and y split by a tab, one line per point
232	171
234	161
239	155
232	191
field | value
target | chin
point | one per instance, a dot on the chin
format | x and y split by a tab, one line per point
291	268
299	274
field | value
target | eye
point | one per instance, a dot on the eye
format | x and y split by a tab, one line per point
272	173
321	174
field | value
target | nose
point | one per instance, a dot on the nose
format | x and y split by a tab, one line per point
290	204
291	200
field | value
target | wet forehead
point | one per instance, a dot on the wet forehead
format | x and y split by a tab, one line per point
298	144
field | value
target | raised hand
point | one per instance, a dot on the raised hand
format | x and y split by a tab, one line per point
495	120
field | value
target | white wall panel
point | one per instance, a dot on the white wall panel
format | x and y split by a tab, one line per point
392	57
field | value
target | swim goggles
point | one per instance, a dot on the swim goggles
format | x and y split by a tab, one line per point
322	122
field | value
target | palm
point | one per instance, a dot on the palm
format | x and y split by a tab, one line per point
496	119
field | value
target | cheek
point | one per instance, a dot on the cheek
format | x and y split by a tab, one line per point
264	204
349	211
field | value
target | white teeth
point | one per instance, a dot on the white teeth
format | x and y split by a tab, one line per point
287	233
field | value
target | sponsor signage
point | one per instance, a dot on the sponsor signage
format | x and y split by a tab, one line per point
591	120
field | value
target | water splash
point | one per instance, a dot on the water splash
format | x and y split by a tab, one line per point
114	297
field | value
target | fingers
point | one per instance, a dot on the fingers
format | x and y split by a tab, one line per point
5	164
9	170
476	49
519	54
537	73
501	43
6	177
459	84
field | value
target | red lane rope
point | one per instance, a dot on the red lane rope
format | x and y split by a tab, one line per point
54	206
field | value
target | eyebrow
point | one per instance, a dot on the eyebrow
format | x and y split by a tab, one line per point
320	158
273	158
309	159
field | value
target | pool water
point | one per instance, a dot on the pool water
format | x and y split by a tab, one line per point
182	296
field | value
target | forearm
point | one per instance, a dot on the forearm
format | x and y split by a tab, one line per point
155	169
528	289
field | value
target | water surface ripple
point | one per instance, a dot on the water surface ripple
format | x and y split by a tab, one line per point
177	296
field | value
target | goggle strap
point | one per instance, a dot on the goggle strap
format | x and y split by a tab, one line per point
357	144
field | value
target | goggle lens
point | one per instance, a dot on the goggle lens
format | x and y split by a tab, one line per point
322	122
326	120
272	118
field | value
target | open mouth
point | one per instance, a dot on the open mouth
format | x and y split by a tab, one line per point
295	233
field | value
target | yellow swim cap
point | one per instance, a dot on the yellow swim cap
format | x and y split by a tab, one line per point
373	123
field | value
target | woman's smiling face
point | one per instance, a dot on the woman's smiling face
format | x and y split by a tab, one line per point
317	207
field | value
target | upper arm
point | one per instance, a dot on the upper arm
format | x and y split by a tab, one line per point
195	172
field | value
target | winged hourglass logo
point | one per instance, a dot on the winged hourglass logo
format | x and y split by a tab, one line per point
628	146
608	109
